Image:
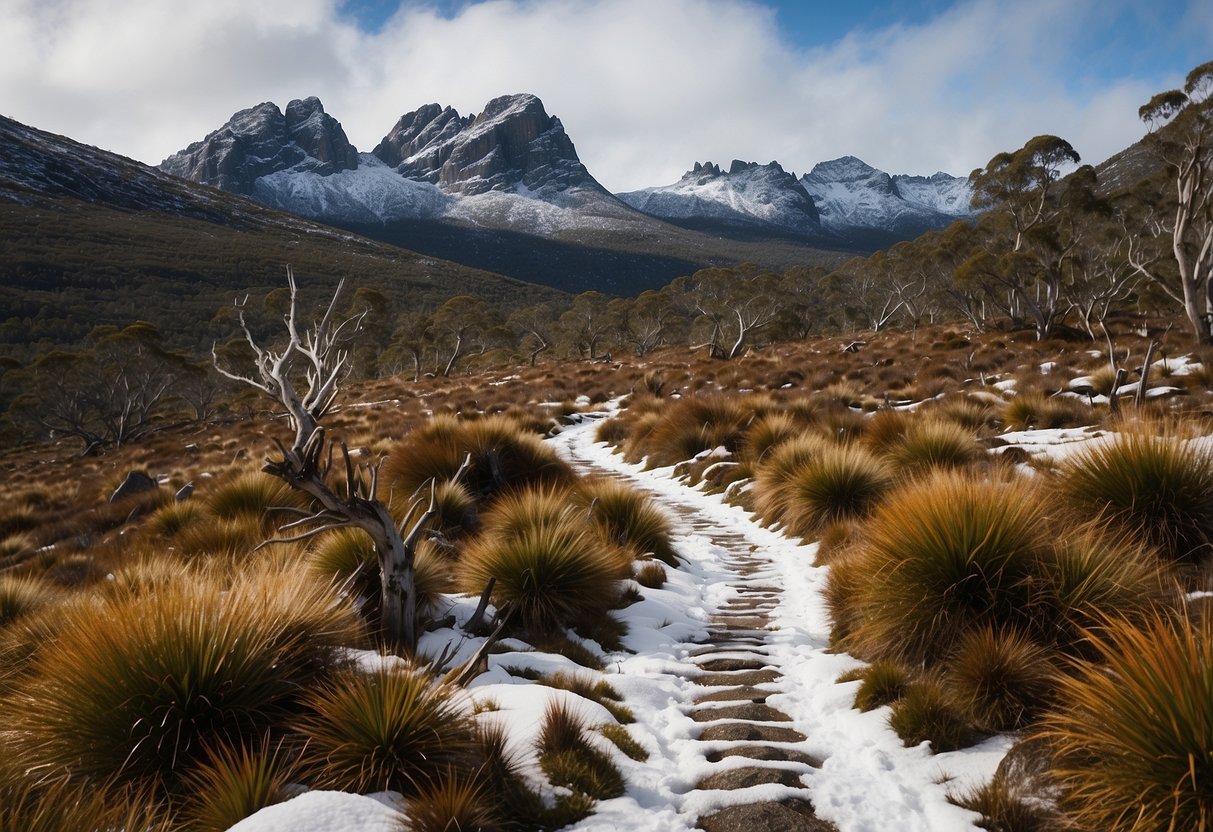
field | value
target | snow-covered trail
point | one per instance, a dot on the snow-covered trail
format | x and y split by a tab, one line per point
735	693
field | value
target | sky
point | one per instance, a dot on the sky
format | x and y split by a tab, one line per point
644	88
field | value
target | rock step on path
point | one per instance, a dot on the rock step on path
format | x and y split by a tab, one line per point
749	742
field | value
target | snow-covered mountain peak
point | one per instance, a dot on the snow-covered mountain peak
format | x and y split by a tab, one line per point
749	194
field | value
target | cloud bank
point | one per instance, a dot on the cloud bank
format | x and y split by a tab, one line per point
644	88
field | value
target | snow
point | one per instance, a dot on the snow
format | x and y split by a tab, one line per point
326	812
851	194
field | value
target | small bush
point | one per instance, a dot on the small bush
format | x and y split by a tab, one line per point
386	730
1004	678
883	683
1132	734
841	483
928	714
1158	486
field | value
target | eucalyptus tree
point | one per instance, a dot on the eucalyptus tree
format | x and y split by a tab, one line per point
1185	142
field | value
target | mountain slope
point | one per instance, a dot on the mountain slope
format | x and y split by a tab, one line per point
88	237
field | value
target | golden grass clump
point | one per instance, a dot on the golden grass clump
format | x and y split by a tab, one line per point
933	444
253	496
687	427
841	482
628	518
772	476
21	596
943	556
766	432
503	457
233	783
386	730
1003	677
1033	410
135	688
1158	485
552	569
1132	733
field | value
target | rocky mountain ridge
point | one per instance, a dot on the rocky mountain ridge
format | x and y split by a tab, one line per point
513	167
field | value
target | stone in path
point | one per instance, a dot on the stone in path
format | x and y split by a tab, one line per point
785	816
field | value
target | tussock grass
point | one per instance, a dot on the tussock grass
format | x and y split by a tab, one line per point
1133	732
1003	677
929	713
553	571
945	555
934	444
882	683
21	596
503	456
689	426
839	483
1033	409
170	519
621	739
1008	805
37	805
135	688
886	429
502	774
232	538
1157	485
233	783
599	691
771	478
452	804
385	730
628	518
766	432
651	574
569	760
253	496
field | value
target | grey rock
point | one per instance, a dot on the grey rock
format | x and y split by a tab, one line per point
136	482
785	816
747	776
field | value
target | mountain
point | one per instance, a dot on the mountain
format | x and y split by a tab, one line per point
88	238
853	198
747	195
503	190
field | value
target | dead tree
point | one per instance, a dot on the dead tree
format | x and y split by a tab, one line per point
314	361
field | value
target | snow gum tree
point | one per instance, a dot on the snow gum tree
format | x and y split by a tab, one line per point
1179	121
304	377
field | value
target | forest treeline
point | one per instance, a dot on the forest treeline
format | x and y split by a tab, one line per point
1060	247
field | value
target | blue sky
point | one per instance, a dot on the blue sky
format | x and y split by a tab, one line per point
644	87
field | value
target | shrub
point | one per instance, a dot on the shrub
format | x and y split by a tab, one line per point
841	483
931	444
883	683
1158	486
945	555
1002	676
233	783
553	572
21	596
135	688
927	713
628	518
386	730
1133	734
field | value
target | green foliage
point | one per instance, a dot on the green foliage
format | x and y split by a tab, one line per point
1132	733
622	740
1159	486
384	730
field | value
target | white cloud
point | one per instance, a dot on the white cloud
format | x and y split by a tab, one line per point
644	88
